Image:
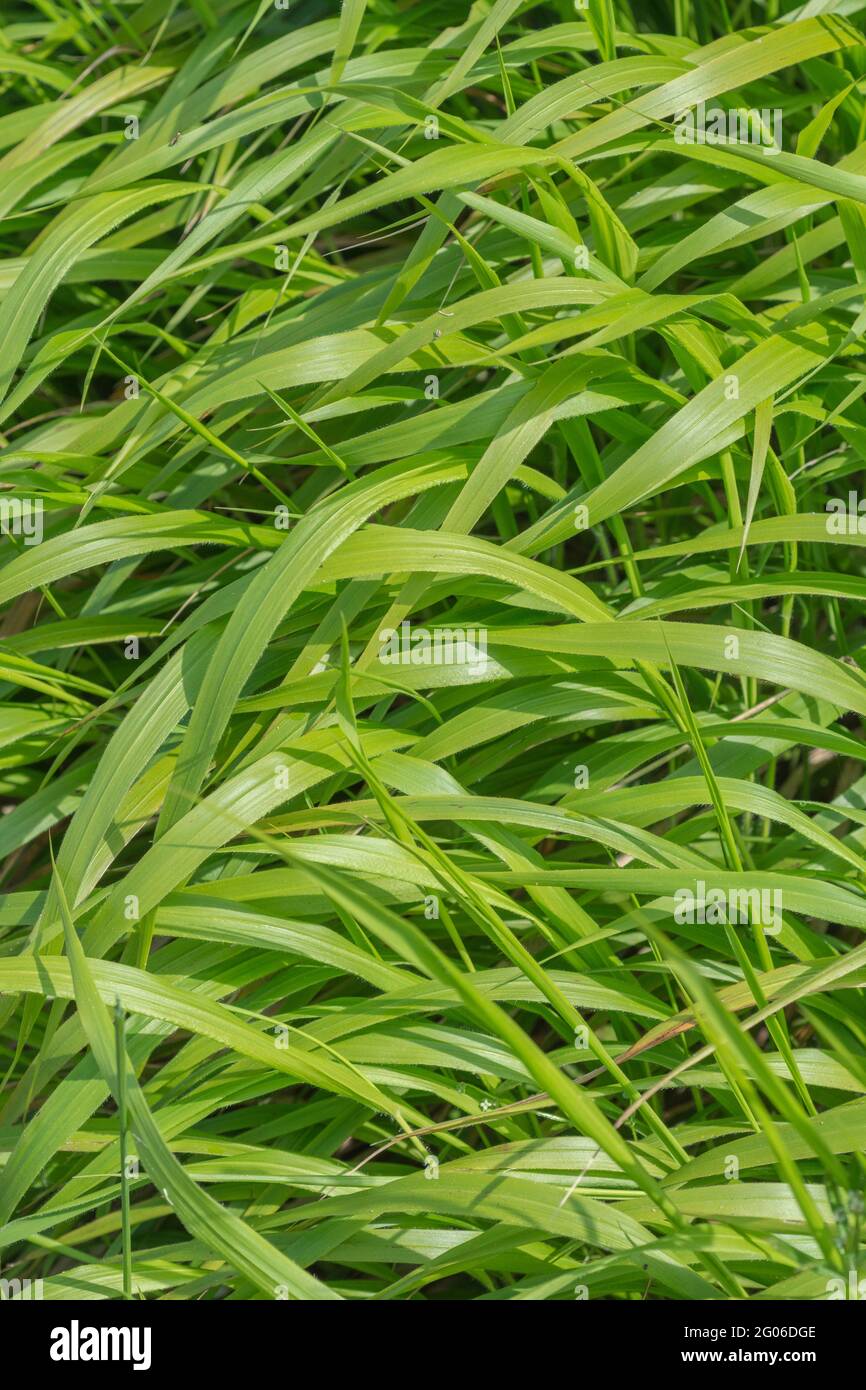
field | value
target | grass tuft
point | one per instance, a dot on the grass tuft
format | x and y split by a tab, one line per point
432	670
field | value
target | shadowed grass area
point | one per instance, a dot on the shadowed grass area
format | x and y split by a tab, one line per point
432	677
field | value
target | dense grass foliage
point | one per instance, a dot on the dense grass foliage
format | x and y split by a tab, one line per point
432	668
